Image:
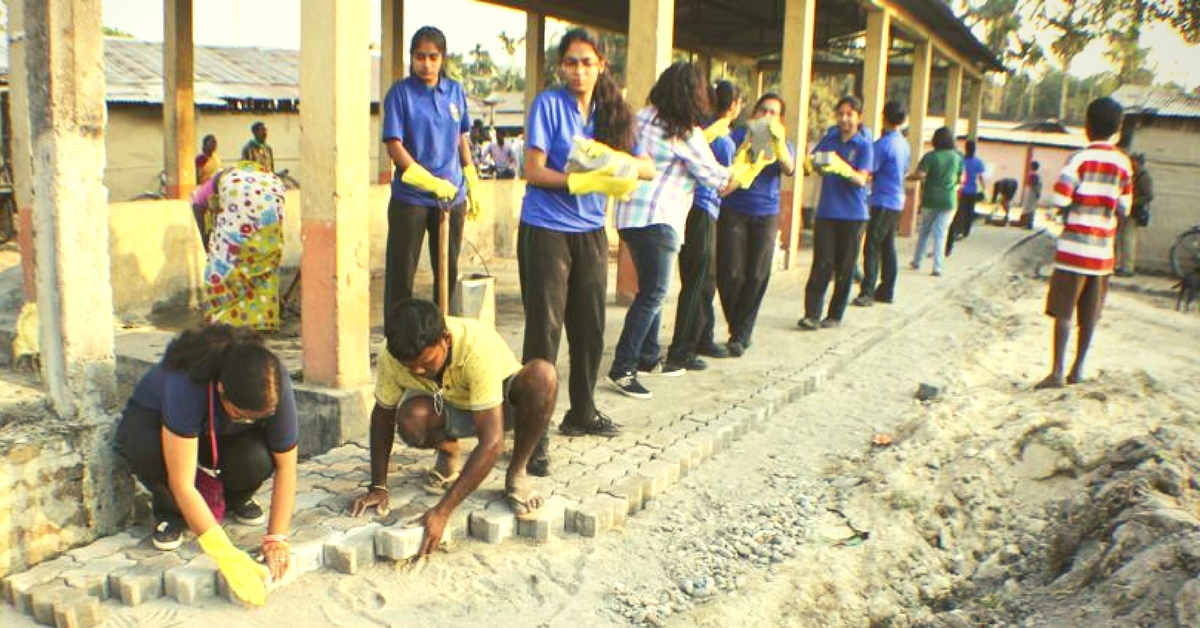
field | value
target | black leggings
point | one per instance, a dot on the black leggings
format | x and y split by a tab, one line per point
245	461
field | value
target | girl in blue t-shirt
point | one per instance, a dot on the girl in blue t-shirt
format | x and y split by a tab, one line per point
204	429
561	246
426	131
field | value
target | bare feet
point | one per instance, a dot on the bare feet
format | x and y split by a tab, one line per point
1074	378
1051	381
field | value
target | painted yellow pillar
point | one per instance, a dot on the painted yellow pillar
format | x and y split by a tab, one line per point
22	151
391	69
954	85
535	57
651	37
976	105
64	59
179	99
918	104
875	66
334	164
796	86
756	86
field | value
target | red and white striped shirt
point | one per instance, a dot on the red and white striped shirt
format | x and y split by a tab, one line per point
1095	185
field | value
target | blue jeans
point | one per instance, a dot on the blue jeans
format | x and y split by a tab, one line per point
653	249
934	225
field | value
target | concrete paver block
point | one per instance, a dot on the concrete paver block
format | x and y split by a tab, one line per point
657	440
144	581
107	546
549	523
492	526
594	457
308	547
618	507
188	584
92	575
347	554
632	490
18	585
43	597
661	473
78	612
398	542
590	518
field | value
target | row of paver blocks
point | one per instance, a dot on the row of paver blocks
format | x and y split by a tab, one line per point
590	494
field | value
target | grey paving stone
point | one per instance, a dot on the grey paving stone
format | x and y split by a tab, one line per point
17	586
680	453
492	526
144	581
549	523
618	508
661	473
567	471
43	597
398	542
310	499
591	517
352	551
107	546
78	612
308	547
188	584
632	489
92	576
657	440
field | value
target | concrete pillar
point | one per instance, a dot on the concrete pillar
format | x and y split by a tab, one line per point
179	99
976	108
796	86
334	163
535	57
918	104
391	69
756	87
64	66
22	150
954	85
651	37
875	62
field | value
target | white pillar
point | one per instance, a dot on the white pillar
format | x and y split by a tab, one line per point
651	37
976	104
954	84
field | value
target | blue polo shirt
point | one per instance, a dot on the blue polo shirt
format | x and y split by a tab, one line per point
430	122
184	406
553	121
887	176
707	198
762	197
972	168
841	199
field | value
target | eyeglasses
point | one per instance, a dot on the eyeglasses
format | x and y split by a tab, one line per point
587	62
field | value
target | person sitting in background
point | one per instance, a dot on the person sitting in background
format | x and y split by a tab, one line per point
207	162
205	427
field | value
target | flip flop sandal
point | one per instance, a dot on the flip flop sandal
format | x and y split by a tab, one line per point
525	509
438	484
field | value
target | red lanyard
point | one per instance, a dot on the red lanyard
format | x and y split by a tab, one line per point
212	433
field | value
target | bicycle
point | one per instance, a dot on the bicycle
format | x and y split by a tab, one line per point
1185	253
155	195
289	182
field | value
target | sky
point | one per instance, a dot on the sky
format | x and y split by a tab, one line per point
276	24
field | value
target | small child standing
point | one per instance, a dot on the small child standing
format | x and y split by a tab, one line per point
1095	186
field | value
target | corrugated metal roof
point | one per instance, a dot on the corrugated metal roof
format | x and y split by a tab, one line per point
1138	99
223	74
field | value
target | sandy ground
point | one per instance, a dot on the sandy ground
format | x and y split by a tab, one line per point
996	505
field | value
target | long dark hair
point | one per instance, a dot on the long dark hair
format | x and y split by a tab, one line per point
432	35
614	118
681	98
724	95
236	357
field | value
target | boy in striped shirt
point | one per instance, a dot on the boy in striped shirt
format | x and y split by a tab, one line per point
1094	187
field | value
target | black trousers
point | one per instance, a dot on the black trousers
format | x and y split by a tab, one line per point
244	461
407	226
835	250
745	245
564	279
964	217
694	316
879	255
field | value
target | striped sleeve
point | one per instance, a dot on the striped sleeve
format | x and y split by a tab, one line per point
1068	180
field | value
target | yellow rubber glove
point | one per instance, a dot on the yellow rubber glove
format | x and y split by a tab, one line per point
603	181
417	176
475	205
808	166
836	166
779	138
744	170
716	129
247	579
591	147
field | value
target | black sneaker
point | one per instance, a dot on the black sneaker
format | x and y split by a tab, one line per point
808	324
600	425
713	350
167	535
691	364
539	462
830	323
629	386
249	513
660	367
735	348
863	301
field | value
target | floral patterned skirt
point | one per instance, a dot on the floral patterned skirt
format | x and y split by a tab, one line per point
246	247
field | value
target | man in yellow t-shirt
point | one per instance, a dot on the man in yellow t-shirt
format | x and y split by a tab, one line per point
443	378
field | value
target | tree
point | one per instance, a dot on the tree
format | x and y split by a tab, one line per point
1077	24
510	47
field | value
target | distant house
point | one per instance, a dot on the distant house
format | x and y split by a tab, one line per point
1165	126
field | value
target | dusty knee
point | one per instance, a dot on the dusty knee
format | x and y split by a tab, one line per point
415	420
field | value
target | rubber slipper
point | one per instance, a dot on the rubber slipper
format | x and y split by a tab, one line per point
438	484
525	509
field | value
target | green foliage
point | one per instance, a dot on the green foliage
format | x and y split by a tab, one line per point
110	31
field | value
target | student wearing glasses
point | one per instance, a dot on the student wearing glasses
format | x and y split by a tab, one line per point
561	245
205	427
427	134
747	229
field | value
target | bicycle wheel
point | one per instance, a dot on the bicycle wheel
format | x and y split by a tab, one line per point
1185	253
